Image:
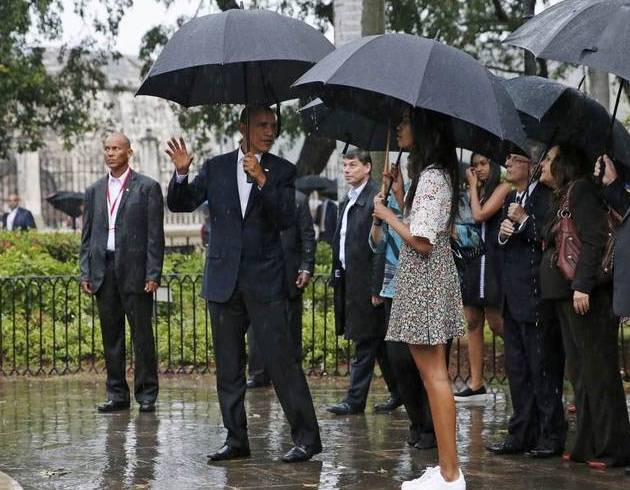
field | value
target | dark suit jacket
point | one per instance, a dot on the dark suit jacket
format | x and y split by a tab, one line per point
363	276
298	244
619	199
589	216
247	250
139	234
329	219
522	256
23	220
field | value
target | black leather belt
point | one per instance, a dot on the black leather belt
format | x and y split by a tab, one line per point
110	255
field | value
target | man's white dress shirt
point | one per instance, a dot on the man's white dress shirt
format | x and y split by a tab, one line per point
353	195
115	186
11	218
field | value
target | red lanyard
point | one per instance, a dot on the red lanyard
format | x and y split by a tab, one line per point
112	205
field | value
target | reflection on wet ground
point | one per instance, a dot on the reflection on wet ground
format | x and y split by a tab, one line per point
51	437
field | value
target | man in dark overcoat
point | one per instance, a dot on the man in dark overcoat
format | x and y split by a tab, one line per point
357	278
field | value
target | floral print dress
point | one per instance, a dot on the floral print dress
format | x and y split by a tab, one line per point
427	307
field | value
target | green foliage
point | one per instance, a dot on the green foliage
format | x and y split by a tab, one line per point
33	98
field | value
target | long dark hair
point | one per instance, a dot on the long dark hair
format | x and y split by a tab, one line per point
570	164
433	144
493	180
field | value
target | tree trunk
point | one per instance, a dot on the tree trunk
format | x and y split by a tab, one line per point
530	67
599	87
314	155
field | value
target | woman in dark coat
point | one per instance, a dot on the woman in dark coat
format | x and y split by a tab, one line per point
584	307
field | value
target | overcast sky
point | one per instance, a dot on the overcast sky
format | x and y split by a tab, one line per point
139	19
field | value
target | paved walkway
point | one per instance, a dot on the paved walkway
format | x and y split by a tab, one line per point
51	437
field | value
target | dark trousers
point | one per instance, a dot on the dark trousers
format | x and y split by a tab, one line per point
534	363
366	353
410	387
256	362
603	430
113	306
230	322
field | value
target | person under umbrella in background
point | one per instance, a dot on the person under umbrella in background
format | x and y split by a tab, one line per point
357	280
244	279
427	306
326	219
481	278
298	245
583	305
533	346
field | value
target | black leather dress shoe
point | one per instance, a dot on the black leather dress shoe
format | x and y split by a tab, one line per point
389	406
229	452
147	407
505	447
300	453
542	452
254	383
426	441
112	406
342	409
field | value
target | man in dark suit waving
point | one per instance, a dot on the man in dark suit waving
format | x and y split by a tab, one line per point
122	249
244	280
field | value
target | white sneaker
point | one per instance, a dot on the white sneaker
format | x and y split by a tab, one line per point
413	484
435	481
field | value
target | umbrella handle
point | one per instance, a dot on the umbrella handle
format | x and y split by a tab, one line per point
247	139
378	221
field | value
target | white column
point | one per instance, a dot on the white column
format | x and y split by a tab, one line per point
29	185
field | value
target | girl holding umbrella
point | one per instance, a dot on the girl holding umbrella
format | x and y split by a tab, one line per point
427	306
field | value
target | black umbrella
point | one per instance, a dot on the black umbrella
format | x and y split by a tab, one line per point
331	192
70	203
310	183
381	76
554	113
346	126
586	32
235	57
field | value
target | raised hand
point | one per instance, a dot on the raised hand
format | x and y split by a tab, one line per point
605	164
178	154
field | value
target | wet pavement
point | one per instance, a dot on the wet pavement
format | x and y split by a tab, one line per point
51	437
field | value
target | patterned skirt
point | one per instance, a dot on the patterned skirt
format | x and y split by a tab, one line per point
427	307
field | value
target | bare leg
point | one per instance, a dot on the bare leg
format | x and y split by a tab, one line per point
429	360
495	320
475	319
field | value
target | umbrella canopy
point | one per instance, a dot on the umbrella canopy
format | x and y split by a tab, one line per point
235	57
70	203
310	183
347	127
331	192
381	76
554	113
587	32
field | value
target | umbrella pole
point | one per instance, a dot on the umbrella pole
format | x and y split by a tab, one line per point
247	138
609	142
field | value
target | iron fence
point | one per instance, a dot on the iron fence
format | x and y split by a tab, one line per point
48	327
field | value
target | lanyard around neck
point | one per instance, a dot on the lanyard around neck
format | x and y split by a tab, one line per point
112	205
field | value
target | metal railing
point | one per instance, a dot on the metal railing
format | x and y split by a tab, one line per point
48	327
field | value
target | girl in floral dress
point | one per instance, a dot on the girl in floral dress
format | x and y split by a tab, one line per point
427	306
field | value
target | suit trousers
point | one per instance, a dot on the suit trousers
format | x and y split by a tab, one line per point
230	322
256	362
113	306
591	346
366	353
534	363
410	387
